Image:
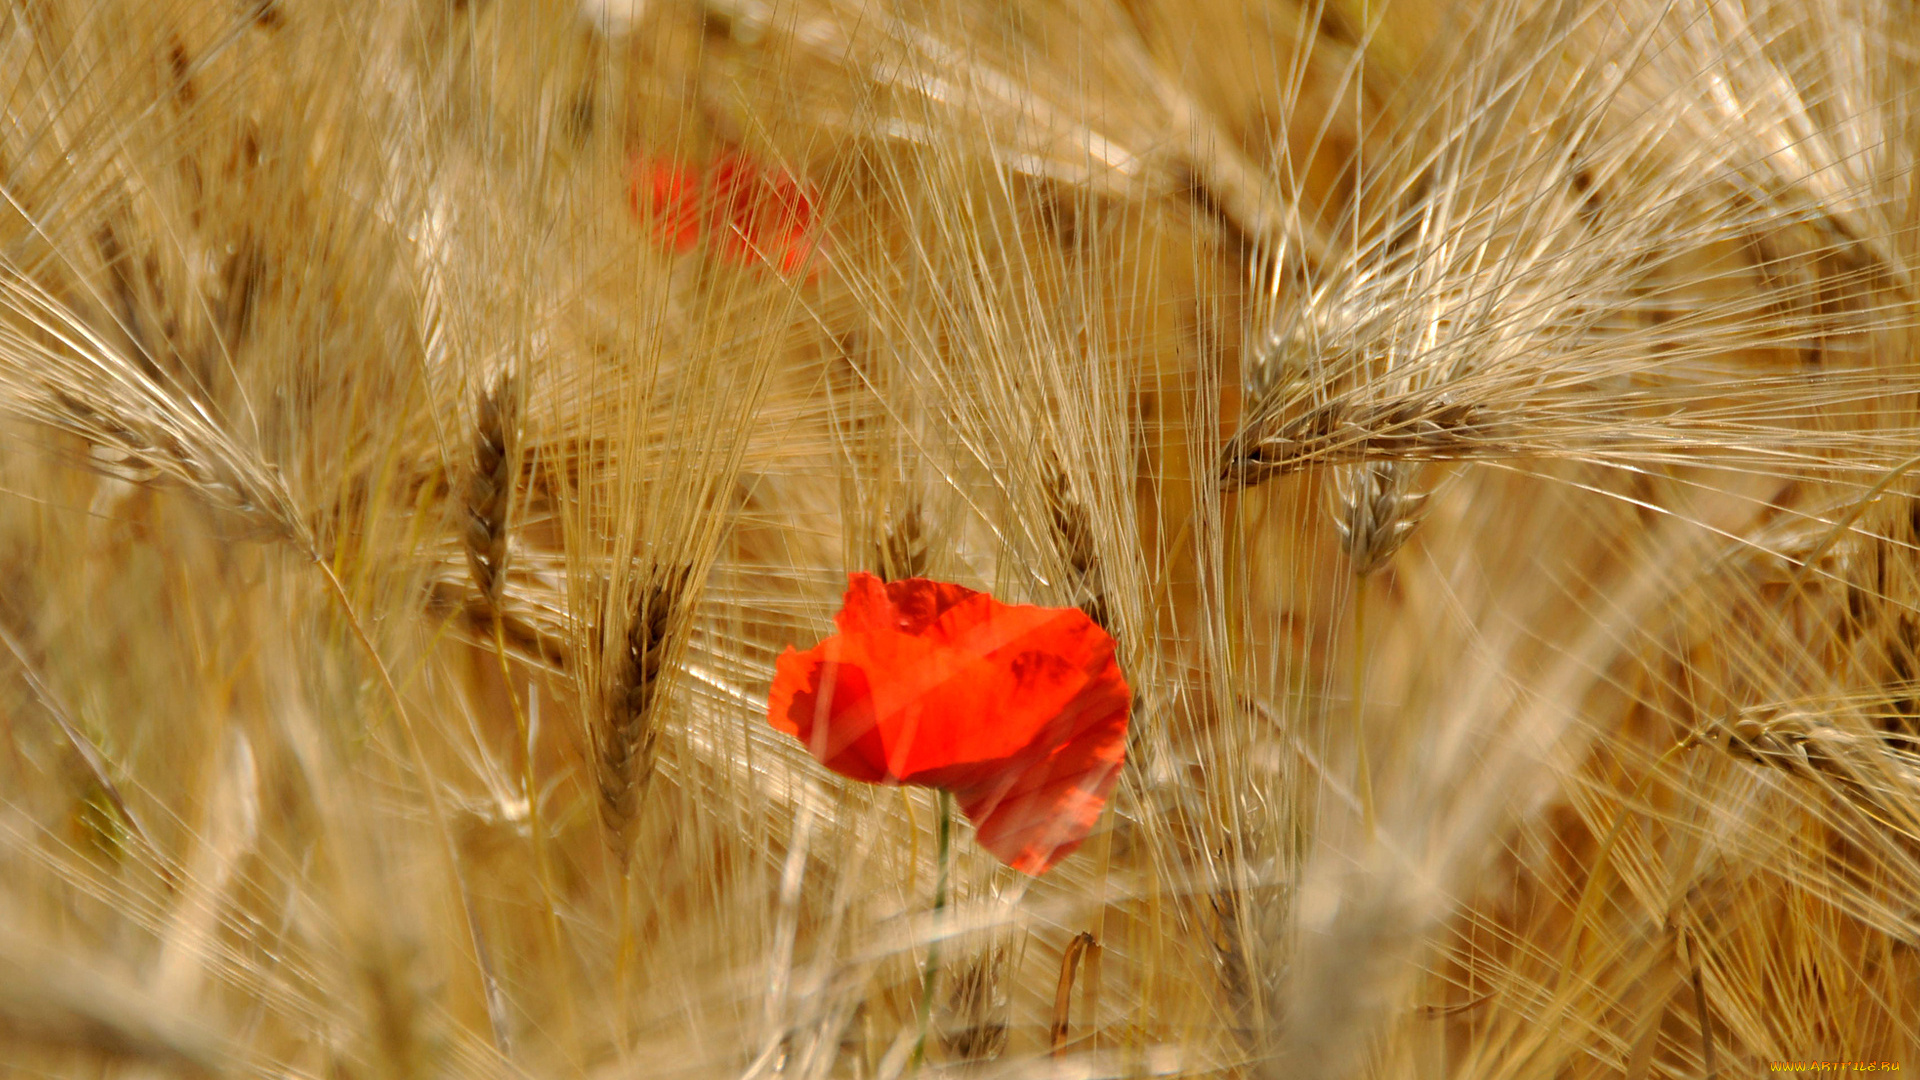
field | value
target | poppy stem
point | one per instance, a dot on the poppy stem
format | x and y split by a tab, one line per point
943	834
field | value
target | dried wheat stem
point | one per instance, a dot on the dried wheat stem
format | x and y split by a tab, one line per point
1363	768
1710	1068
943	860
436	809
1063	994
625	738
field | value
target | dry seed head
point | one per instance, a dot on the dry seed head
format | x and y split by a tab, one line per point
1375	511
1070	958
147	442
489	499
976	1022
58	371
903	547
1073	531
629	728
1877	770
1412	427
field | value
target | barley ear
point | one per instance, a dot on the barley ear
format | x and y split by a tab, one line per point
903	546
1073	531
489	497
629	722
1415	426
1869	768
1375	511
976	1027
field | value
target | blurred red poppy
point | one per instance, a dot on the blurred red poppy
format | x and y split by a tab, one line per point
1019	711
672	202
746	212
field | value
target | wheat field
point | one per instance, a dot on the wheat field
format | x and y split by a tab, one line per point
1487	429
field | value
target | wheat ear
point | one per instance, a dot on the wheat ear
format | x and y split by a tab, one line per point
1876	770
1375	510
903	546
629	725
57	370
489	497
1413	427
1073	531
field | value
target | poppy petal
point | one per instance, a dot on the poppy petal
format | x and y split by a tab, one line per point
826	702
901	607
743	211
1020	711
671	202
1013	675
1055	803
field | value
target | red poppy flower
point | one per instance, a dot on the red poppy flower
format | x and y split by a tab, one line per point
1019	711
746	212
673	203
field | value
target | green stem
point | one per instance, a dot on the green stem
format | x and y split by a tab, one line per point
943	833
